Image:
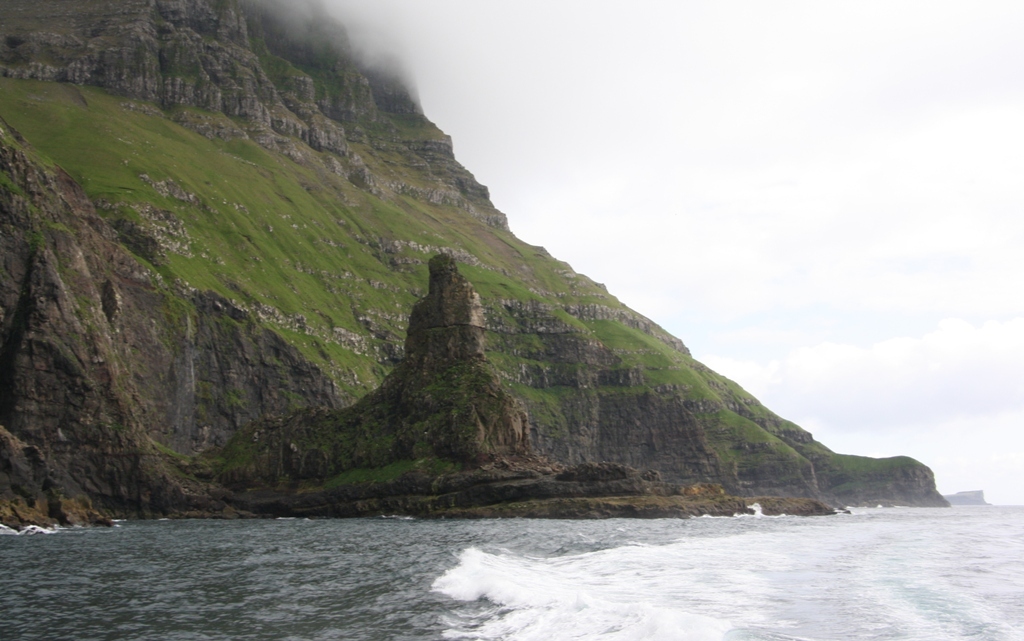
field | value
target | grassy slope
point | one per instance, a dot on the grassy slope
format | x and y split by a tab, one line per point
304	241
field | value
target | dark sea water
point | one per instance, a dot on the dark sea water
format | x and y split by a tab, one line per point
894	573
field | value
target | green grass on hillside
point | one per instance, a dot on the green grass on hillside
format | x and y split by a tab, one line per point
390	472
305	244
264	230
863	465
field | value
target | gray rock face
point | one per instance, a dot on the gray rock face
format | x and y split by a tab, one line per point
448	324
32	492
607	411
894	481
173	52
230	372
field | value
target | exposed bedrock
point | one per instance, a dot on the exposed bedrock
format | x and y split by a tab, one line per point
104	368
443	400
523	488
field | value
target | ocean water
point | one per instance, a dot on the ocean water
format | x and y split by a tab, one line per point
895	573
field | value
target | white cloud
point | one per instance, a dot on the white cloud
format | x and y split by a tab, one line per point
958	370
953	398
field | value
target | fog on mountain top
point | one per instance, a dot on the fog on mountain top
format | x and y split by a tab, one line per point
328	23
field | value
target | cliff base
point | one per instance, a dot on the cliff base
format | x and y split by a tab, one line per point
521	487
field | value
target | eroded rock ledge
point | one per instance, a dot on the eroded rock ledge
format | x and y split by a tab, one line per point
525	487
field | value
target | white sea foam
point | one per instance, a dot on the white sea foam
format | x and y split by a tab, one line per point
887	575
750	578
4	530
758	513
577	597
29	531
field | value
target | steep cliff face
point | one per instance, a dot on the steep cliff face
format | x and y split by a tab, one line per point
104	366
59	372
223	217
169	52
899	480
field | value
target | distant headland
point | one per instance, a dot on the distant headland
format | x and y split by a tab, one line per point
971	497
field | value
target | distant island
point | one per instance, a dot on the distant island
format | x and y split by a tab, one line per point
971	497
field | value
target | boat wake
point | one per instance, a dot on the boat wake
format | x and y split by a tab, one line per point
584	596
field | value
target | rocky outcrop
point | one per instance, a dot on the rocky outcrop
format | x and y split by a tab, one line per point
447	326
523	487
445	386
443	401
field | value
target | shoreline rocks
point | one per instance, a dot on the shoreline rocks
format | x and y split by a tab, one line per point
518	488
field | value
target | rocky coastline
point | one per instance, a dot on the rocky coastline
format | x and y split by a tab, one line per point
443	403
524	488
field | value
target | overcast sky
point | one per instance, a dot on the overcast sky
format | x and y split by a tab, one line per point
824	200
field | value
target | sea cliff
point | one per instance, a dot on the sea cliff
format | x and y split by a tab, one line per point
213	216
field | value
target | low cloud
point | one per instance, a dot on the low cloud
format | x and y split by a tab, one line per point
959	370
952	398
360	29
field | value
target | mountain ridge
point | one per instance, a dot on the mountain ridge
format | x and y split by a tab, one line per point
265	217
